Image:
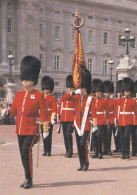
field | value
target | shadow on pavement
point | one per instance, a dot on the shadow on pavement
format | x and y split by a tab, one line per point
114	168
71	183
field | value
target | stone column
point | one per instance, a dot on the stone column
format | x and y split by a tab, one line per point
4	32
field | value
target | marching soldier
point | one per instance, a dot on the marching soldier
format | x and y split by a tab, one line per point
47	85
26	106
67	117
134	128
102	117
116	112
83	106
108	91
127	108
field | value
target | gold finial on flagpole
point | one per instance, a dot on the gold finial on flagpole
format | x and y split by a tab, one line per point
76	13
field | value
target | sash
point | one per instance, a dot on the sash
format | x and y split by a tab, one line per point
81	131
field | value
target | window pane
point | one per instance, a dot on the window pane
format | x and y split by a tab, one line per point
105	38
57	32
9	25
41	30
57	62
89	36
105	66
90	64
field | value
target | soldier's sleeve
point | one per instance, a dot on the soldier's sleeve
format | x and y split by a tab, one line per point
13	108
44	113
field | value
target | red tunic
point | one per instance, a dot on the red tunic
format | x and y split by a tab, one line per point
134	116
116	107
102	112
68	111
51	105
80	104
127	110
111	104
26	106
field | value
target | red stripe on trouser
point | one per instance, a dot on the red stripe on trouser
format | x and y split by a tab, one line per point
30	156
86	147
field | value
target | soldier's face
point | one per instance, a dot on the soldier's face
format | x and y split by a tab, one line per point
98	93
46	91
83	91
107	95
70	89
27	84
127	93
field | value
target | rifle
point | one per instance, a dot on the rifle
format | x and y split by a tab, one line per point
59	126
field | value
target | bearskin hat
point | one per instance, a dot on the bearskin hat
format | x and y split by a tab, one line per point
86	81
30	69
119	86
108	86
135	86
98	85
47	83
127	84
69	81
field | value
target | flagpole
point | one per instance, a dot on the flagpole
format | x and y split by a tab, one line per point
78	23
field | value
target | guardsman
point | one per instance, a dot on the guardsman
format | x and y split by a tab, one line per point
26	106
83	106
108	92
127	109
67	110
134	128
102	114
47	85
116	113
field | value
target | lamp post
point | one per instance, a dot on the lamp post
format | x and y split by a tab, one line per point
11	59
111	62
127	38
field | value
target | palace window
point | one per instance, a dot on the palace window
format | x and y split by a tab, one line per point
57	62
105	66
105	38
9	25
41	30
89	36
90	64
57	32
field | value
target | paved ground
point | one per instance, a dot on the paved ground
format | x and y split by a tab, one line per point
57	175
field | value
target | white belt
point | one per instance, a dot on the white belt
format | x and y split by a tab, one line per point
99	112
49	109
111	112
126	112
68	108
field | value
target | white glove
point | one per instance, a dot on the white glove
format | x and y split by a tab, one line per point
78	91
45	134
53	122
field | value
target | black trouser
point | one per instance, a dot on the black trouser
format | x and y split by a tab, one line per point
98	139
118	140
25	145
125	139
134	139
67	134
82	146
105	139
47	142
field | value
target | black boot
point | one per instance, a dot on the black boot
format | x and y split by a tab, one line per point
100	156
44	154
85	167
22	185
28	184
81	168
95	156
